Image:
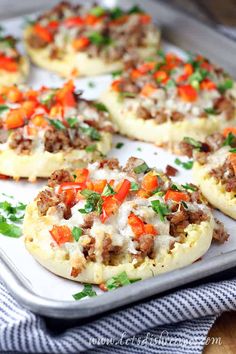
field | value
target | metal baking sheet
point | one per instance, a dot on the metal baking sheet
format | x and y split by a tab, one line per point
49	295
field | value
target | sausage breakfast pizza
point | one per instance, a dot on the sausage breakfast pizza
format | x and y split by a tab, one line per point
81	41
50	128
165	99
104	219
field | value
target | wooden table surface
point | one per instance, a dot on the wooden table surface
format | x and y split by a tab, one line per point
214	11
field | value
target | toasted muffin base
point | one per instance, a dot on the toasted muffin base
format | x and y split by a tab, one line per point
214	192
42	164
37	241
18	77
78	63
168	134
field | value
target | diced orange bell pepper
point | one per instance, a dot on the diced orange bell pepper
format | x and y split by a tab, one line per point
232	159
99	185
15	119
148	90
142	193
116	85
148	66
145	19
187	93
81	175
43	33
61	234
161	76
80	43
188	69
39	121
29	108
65	95
73	21
31	95
228	130
92	20
89	185
31	131
56	111
135	74
177	196
149	229
207	85
52	25
8	64
136	224
14	95
69	197
109	207
182	78
150	182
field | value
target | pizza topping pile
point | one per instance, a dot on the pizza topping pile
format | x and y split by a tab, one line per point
50	119
171	89
107	209
217	154
9	55
98	31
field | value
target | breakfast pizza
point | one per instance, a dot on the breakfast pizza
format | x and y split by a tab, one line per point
104	219
48	129
163	100
14	67
214	169
81	41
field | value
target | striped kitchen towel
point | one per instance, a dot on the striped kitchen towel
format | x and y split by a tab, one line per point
176	323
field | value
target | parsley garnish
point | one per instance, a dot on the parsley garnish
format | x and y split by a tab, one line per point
57	124
160	208
211	111
124	94
98	39
229	139
119	280
72	121
119	145
184	204
3	108
76	233
11	213
135	10
87	291
134	186
187	165
116	73
91	84
233	150
93	202
97	11
108	190
116	13
91	132
142	168
189	187
194	143
228	84
174	187
91	148
139	149
100	107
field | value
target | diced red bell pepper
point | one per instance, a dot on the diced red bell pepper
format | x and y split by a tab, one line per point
99	185
70	185
80	43
15	119
207	85
123	191
161	76
8	64
109	207
43	33
73	21
66	95
116	85
145	67
145	19
148	89
61	234
136	224
81	175
135	74
188	69
177	196
187	93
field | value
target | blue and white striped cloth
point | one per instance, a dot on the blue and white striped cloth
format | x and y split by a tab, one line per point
176	323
